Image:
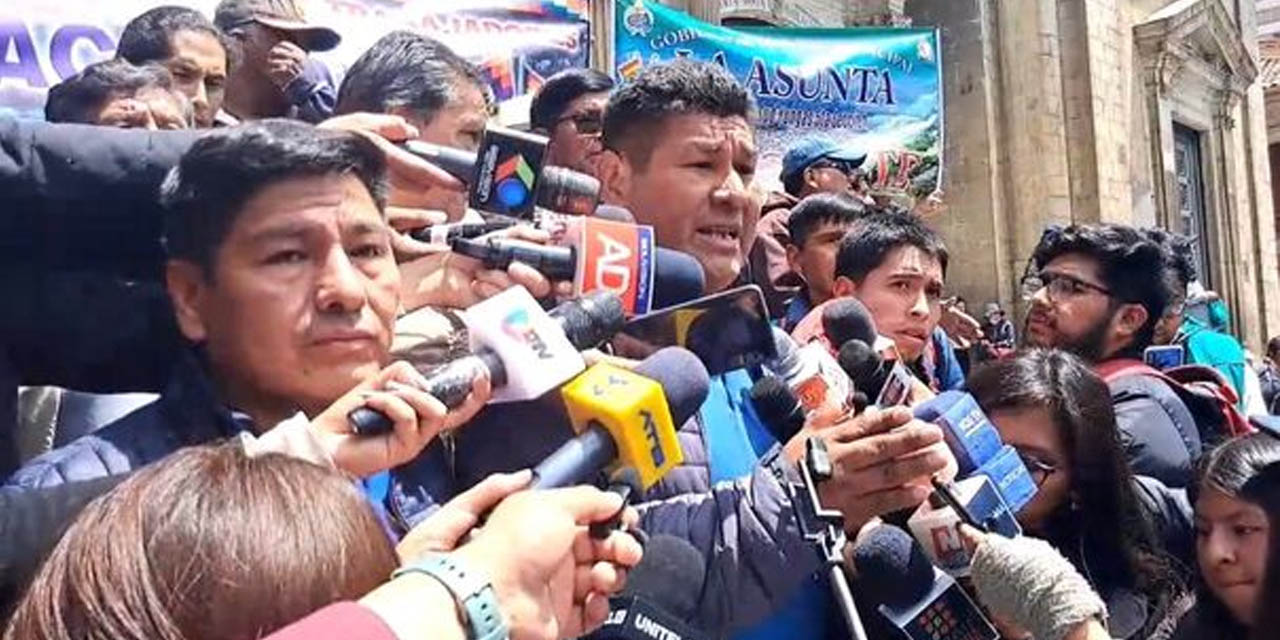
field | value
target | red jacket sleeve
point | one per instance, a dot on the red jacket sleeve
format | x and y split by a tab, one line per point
340	621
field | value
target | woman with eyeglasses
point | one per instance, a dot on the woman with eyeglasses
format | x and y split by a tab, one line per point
1235	514
1119	530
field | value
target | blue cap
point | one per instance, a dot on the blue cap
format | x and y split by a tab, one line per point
812	149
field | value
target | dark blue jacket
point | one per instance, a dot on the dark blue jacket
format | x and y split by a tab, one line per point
1158	432
188	413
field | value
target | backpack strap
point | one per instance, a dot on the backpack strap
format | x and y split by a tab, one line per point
1111	370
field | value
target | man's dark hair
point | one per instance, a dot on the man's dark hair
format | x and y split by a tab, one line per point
149	37
205	193
1182	256
794	183
872	237
81	97
817	210
638	108
406	70
1133	265
562	89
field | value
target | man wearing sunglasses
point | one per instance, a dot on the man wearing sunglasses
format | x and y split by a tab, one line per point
569	110
272	76
1098	291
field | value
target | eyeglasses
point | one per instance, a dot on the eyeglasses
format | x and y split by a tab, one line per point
1059	286
1038	469
587	124
848	168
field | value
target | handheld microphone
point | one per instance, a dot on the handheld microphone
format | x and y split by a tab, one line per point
525	350
936	525
845	319
661	595
778	408
811	372
443	234
507	175
976	445
627	418
917	600
889	381
599	254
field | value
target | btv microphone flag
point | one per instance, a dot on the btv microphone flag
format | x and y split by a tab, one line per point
530	343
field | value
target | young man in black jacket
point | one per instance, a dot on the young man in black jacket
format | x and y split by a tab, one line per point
1098	291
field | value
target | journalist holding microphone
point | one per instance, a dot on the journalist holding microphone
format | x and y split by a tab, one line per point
282	280
1124	532
124	569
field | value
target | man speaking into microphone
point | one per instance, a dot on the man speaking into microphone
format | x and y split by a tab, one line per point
680	154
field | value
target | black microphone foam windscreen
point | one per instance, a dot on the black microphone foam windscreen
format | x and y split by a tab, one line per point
683	378
671	576
888	559
591	319
677	278
778	407
847	319
862	365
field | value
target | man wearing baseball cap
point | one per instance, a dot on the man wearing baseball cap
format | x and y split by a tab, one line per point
812	165
273	77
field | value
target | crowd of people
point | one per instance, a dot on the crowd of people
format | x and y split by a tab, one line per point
200	302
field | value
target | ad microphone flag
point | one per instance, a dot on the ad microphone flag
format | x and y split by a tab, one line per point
525	350
600	255
627	419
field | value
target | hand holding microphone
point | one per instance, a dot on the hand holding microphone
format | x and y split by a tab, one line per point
1028	582
457	281
524	350
627	419
414	419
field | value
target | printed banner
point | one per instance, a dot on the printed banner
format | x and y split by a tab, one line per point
518	43
874	89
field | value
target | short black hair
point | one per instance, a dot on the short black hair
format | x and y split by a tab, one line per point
794	183
204	194
1134	266
80	98
407	70
562	89
149	36
1182	256
819	209
872	237
638	108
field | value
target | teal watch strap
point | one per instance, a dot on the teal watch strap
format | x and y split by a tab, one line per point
470	588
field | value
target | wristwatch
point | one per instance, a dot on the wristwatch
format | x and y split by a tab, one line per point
470	588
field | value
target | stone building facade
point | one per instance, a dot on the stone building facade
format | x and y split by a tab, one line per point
1147	112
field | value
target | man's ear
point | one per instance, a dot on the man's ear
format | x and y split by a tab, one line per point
793	255
614	173
189	290
844	287
1129	320
810	178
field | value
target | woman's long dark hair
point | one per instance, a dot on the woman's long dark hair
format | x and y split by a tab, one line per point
1105	516
1264	490
1229	469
